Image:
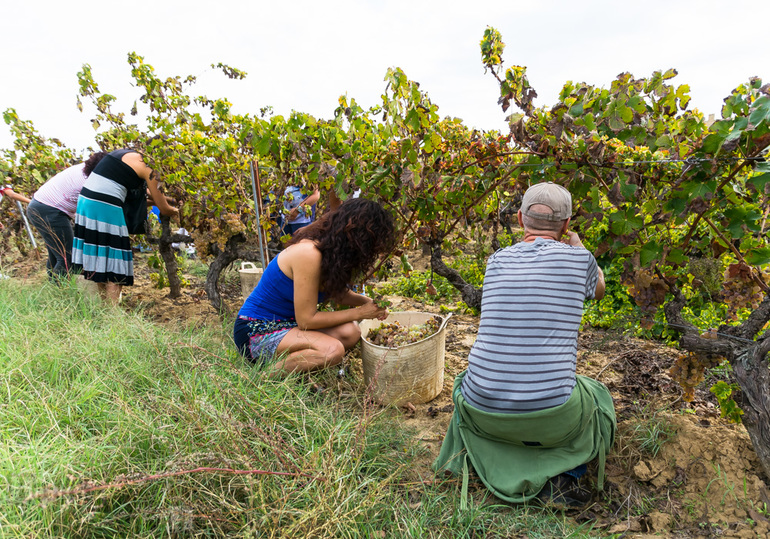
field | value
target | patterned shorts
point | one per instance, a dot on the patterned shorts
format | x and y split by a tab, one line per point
265	336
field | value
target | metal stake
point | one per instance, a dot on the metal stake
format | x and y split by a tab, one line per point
257	201
26	224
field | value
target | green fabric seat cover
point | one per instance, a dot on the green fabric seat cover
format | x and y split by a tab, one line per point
515	454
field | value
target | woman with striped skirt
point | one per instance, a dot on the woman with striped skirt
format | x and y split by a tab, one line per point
102	247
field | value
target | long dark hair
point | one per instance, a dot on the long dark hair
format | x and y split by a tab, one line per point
350	239
92	161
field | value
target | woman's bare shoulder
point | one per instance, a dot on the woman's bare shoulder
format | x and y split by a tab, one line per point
136	161
302	249
303	256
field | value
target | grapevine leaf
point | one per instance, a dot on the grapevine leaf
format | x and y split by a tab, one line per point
263	146
663	141
413	120
650	251
628	190
740	124
615	123
760	181
676	205
722	390
621	228
637	103
670	73
761	112
626	114
576	109
700	190
759	256
634	220
677	256
736	229
712	143
734	134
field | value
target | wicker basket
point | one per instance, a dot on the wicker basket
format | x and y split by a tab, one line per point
250	275
410	373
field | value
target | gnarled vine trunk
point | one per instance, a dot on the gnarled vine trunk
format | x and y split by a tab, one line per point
470	294
752	372
169	259
750	363
222	260
235	249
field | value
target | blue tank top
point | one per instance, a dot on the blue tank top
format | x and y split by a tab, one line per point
273	298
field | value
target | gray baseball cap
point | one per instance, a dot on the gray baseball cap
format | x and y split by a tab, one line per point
549	194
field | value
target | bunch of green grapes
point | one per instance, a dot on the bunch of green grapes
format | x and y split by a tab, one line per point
394	334
741	289
689	371
647	290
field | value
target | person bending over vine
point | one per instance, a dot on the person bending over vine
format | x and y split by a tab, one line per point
113	204
280	318
52	210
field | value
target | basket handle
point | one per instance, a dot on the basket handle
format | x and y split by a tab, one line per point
443	324
248	265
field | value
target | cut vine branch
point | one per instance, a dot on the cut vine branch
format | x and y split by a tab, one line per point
51	494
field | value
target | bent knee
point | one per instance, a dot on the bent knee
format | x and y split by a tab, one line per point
350	335
333	352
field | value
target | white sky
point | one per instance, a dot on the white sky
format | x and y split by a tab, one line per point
303	54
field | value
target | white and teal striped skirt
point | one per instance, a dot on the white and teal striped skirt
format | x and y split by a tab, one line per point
102	247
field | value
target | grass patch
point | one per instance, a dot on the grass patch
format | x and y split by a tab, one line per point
652	434
645	435
112	426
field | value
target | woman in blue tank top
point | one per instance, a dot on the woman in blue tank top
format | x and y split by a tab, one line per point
280	318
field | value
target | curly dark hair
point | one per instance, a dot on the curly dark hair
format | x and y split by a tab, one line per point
350	239
92	161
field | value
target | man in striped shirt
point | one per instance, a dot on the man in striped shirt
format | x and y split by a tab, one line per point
525	354
521	369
